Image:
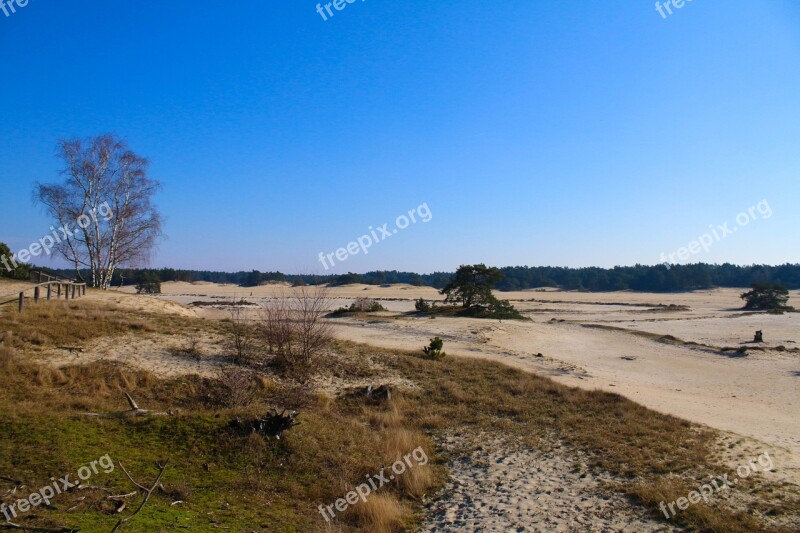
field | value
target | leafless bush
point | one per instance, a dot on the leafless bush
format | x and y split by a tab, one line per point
277	327
237	384
240	336
294	329
193	345
191	348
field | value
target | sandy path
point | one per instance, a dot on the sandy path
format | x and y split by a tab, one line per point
500	487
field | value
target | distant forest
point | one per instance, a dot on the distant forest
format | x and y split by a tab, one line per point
658	278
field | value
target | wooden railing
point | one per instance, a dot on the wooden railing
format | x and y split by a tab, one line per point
42	274
71	290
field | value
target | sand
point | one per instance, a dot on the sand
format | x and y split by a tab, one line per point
496	486
756	395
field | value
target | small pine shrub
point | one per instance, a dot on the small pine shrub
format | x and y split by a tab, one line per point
434	350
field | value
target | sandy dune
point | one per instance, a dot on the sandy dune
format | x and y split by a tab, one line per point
756	395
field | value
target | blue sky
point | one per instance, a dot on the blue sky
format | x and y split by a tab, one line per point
538	133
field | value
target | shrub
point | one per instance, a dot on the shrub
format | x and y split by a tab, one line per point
422	306
294	330
240	336
150	284
237	386
434	350
366	305
361	305
503	309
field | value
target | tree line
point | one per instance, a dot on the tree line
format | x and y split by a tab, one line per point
103	176
657	278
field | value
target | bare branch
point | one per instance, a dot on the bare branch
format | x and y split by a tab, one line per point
147	493
135	410
11	525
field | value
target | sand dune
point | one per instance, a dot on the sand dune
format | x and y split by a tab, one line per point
756	395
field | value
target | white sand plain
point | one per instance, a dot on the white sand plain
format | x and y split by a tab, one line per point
757	395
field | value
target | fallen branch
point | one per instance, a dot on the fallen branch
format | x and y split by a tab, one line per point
80	502
122	496
374	394
147	491
71	348
94	487
134	411
11	525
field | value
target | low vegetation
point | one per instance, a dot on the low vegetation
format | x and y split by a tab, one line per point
359	306
422	306
149	284
217	478
434	349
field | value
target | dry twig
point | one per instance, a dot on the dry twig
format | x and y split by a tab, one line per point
147	491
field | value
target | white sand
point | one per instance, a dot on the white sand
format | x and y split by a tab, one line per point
756	396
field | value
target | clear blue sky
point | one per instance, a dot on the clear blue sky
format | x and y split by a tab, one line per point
538	133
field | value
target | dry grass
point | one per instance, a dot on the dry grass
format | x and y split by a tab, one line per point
701	516
72	323
397	444
381	513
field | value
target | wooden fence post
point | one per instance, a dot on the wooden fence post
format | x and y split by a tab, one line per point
36	295
59	291
49	291
21	301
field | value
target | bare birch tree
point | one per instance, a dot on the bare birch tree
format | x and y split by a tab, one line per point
103	208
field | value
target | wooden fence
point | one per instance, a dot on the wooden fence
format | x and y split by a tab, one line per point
52	287
71	290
